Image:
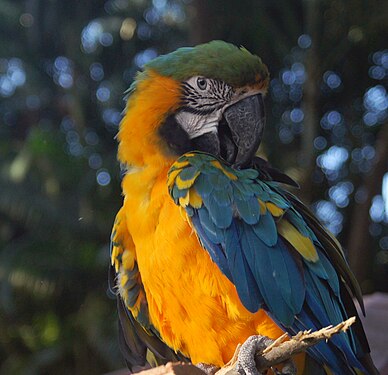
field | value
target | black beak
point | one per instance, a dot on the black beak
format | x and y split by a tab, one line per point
241	132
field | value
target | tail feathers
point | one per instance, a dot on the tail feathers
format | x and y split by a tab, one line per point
312	367
330	353
368	364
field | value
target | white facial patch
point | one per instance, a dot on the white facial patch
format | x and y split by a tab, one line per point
195	124
203	102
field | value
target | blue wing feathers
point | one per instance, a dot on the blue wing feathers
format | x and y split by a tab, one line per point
266	229
242	276
178	193
217	180
222	197
278	201
188	173
289	278
267	271
297	221
203	187
259	258
322	352
332	277
258	190
248	209
340	341
222	216
212	246
323	297
250	174
210	229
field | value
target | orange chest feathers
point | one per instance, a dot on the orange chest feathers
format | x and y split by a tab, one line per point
191	303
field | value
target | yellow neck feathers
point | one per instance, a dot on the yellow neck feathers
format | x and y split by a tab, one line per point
155	98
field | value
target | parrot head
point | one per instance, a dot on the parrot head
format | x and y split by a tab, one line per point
207	98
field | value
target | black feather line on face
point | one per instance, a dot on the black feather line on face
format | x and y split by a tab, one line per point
197	111
216	95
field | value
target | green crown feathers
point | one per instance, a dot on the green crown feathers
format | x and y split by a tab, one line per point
216	59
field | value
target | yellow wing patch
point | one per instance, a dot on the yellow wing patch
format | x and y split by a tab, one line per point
192	198
195	199
185	184
275	210
171	177
302	244
181	164
184	201
263	207
228	174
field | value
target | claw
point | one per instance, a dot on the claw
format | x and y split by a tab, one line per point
246	364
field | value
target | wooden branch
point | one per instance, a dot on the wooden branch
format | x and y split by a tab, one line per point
281	350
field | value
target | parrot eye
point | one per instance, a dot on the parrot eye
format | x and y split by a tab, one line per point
201	83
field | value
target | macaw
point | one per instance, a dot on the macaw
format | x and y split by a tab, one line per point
209	248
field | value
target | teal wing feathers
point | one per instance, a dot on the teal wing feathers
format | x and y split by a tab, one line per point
274	251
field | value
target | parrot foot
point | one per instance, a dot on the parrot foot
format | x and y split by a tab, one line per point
207	369
246	364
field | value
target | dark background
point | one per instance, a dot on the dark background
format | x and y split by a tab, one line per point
64	66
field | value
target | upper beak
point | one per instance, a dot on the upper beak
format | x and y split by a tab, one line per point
245	120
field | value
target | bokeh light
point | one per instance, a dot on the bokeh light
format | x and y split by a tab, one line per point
384	194
63	72
103	177
90	36
103	92
332	80
304	41
377	210
328	213
12	76
376	105
340	192
96	71
330	119
145	56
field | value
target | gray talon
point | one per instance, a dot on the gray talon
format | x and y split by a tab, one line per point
246	364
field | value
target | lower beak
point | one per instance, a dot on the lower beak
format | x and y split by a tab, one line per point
245	120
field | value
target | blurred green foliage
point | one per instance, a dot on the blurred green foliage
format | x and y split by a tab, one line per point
64	67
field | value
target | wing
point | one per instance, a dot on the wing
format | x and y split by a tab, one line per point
274	251
139	341
268	173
